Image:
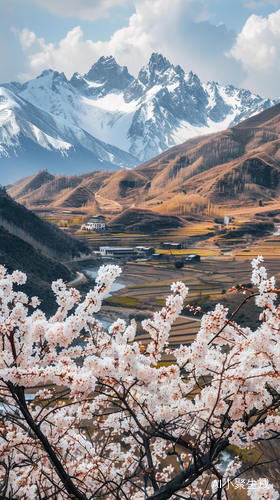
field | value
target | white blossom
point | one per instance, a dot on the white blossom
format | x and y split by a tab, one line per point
98	402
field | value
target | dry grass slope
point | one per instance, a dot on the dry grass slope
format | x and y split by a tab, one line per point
146	221
204	175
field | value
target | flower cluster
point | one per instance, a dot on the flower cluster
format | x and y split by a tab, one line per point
112	415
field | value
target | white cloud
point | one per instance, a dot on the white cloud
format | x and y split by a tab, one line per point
81	9
258	44
131	45
180	33
257	47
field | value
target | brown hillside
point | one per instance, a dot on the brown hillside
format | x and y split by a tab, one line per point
124	186
96	179
47	193
241	164
238	165
78	197
149	168
173	168
31	184
134	219
240	182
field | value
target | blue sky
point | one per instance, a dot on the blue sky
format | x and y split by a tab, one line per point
230	41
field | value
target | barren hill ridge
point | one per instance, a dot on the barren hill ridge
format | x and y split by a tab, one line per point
241	164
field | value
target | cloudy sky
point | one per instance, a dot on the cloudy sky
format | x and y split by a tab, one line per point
229	41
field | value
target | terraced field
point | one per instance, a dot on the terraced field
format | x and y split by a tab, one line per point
188	251
148	285
269	248
95	240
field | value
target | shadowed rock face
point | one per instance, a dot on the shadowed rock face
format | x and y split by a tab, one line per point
109	74
39	233
33	246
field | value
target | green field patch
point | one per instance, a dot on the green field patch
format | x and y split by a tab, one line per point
188	282
154	284
86	234
161	302
49	219
122	301
201	252
271	242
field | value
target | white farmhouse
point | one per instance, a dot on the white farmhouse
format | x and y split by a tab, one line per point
95	222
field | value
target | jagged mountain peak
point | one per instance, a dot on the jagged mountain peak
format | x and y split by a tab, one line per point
159	62
143	116
51	75
102	69
46	72
193	79
32	138
107	72
159	71
48	78
214	85
78	81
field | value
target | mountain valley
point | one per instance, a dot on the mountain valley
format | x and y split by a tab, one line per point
108	119
233	168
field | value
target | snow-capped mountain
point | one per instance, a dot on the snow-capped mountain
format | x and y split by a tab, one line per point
143	116
32	138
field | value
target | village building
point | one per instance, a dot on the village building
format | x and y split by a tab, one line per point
95	222
145	250
192	258
176	246
157	256
116	251
165	245
171	246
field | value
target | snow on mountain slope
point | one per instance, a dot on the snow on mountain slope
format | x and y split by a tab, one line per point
28	133
146	115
